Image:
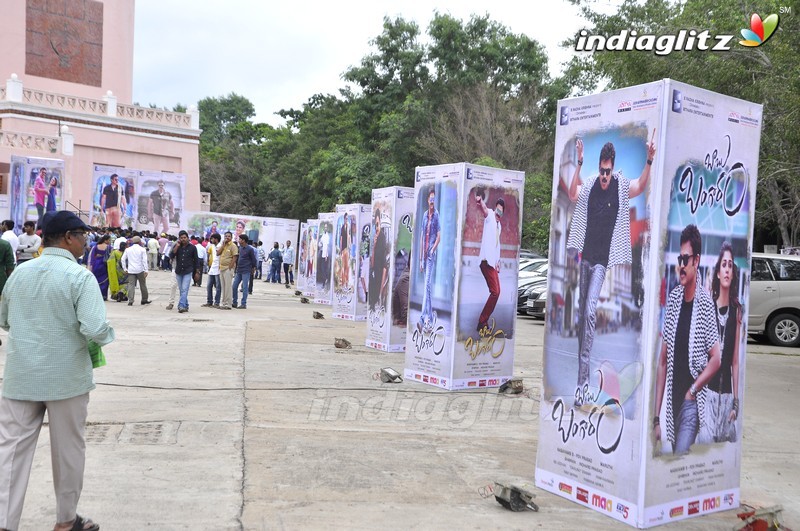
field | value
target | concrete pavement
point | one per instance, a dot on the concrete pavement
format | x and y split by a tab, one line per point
252	419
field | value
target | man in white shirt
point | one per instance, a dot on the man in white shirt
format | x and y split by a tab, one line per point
201	253
214	281
288	263
29	243
490	255
325	267
118	241
8	235
134	262
152	253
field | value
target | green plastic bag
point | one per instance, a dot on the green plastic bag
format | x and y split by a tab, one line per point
98	358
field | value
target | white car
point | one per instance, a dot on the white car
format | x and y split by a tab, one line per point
774	306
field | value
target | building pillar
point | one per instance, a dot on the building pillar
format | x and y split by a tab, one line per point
67	141
111	103
195	115
14	89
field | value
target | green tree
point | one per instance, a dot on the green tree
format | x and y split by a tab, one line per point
218	115
483	51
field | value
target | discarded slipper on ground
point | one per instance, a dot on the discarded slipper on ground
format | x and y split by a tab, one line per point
340	342
318	315
84	524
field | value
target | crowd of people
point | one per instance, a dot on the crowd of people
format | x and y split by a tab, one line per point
120	260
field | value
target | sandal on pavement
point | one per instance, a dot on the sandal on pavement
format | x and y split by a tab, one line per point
83	524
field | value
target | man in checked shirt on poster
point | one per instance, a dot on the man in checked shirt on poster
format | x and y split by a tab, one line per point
48	368
600	231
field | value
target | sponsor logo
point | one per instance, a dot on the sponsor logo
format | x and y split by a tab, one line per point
623	510
418	377
425	379
728	499
760	30
624	106
472	383
481	383
444	382
733	117
709	504
549	482
658	518
564	116
602	502
694	507
434	380
566	489
583	495
676	511
677	101
493	381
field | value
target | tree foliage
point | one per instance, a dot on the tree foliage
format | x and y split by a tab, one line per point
218	115
476	92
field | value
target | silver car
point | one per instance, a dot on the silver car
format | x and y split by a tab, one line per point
775	298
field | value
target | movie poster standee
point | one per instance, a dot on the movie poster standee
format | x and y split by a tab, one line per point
312	244
645	333
302	257
388	267
323	287
351	244
463	279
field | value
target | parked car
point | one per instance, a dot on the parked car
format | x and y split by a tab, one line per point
526	287
534	268
527	253
536	305
774	305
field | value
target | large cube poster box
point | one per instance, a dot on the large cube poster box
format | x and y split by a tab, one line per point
302	257
351	245
645	336
310	273
463	283
323	287
389	267
279	230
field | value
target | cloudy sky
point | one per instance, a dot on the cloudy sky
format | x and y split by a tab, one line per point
278	54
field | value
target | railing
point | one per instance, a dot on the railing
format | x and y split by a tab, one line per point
43	143
69	103
155	116
83	214
14	91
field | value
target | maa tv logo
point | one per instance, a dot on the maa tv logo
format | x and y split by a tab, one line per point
685	40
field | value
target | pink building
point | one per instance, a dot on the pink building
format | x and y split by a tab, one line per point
68	70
